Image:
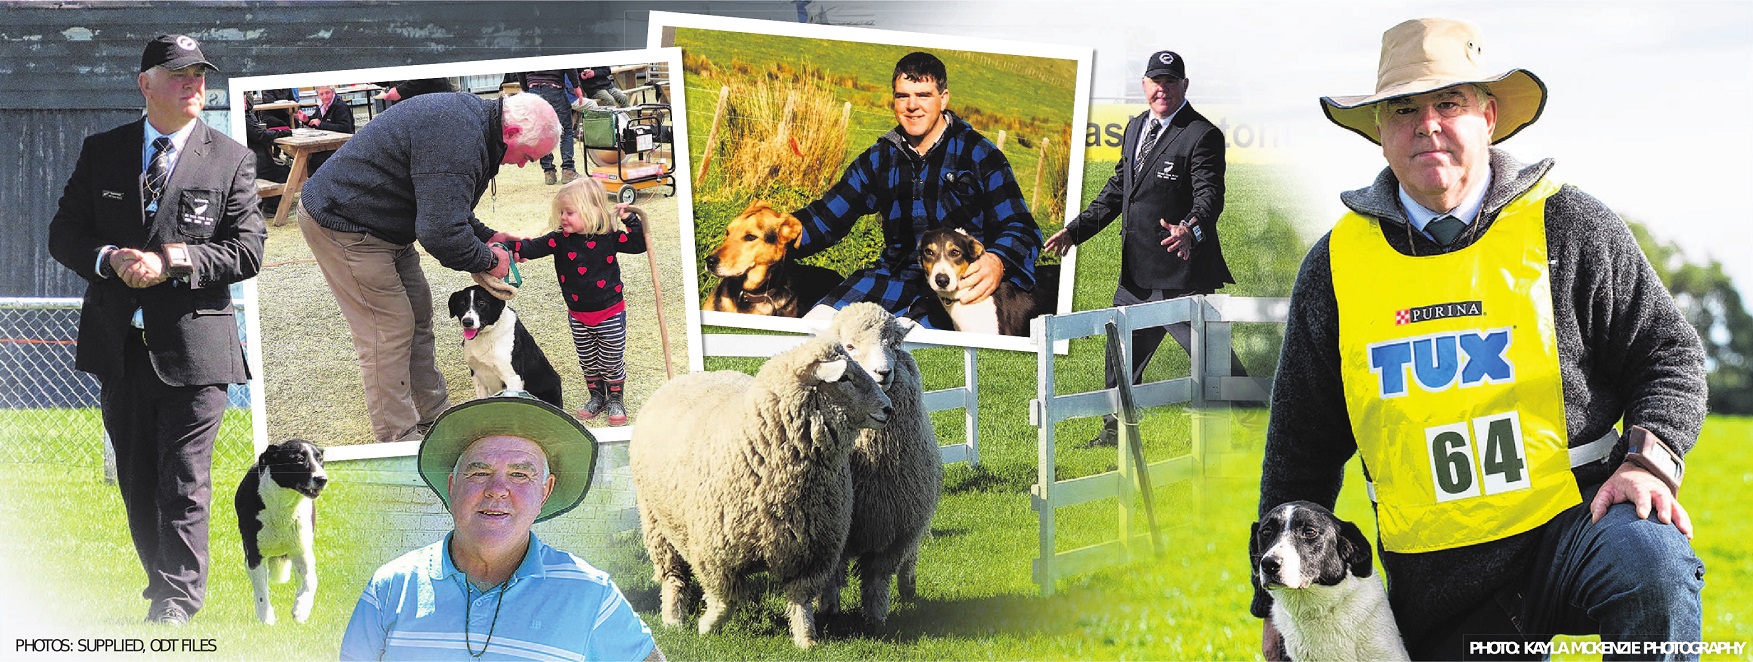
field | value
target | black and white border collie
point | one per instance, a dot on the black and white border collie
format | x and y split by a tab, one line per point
276	518
1325	602
501	352
946	255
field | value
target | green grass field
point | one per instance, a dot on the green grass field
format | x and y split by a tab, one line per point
69	556
68	551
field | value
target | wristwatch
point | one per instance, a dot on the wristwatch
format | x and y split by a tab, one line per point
1649	452
176	261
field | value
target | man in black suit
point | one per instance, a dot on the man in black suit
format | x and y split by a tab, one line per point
160	219
1169	187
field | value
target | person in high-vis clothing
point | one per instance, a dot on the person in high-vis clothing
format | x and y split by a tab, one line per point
1475	328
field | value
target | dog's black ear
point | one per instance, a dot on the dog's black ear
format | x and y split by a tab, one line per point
1355	549
459	302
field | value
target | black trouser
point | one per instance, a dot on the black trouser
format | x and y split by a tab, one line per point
164	456
1146	341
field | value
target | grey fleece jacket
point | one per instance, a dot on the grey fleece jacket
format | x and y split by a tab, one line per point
1624	351
416	172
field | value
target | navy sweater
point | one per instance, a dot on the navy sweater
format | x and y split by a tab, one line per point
416	172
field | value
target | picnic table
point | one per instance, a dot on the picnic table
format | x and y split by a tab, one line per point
301	145
289	107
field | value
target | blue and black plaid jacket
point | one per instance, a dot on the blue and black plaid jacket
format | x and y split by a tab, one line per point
962	182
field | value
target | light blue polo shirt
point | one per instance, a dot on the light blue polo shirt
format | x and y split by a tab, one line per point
555	607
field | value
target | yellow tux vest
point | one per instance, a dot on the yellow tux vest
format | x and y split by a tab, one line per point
1450	365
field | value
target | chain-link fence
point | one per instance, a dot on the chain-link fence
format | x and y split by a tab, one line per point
48	409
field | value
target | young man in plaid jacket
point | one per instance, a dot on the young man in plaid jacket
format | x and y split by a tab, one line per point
932	171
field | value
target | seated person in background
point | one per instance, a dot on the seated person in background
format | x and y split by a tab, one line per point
260	139
597	84
332	114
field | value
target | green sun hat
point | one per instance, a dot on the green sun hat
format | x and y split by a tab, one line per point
571	450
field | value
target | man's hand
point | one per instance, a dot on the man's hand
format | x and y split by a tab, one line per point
980	282
1180	241
142	269
503	237
501	263
1646	492
1271	642
1058	244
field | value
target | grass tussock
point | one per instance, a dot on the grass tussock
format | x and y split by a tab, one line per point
789	134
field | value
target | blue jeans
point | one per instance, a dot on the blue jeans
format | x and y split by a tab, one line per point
1624	578
562	110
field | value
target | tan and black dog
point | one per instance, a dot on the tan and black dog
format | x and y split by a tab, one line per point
758	275
946	256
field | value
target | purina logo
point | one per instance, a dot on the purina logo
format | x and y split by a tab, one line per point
1166	58
1438	311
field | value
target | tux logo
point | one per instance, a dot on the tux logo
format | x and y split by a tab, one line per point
1440	361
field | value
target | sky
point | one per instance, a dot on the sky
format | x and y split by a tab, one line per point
1640	112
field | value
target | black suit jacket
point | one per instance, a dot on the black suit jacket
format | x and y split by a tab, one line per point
1182	177
339	118
210	204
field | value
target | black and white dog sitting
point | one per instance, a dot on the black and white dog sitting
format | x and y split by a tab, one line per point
276	518
1325	602
501	352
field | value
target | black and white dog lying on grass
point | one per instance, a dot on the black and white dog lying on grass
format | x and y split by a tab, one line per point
1325	601
276	518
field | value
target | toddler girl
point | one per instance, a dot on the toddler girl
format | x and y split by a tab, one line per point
584	249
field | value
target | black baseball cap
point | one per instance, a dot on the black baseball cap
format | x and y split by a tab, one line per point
173	51
1165	63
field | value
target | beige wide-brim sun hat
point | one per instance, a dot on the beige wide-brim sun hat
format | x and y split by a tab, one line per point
1428	54
570	447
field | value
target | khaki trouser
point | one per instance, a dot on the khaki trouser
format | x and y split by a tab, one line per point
383	295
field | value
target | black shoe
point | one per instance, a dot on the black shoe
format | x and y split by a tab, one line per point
1107	438
164	613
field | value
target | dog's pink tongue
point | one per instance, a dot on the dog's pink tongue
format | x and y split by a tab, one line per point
469	334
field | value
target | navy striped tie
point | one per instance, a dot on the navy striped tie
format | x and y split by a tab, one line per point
1156	130
158	172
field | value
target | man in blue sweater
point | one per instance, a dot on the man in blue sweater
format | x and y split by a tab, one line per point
414	173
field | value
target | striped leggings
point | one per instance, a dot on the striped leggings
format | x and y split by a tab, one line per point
600	347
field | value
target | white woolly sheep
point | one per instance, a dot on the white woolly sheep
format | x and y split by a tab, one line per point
897	470
736	474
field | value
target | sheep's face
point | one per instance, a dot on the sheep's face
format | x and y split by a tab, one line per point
872	337
852	397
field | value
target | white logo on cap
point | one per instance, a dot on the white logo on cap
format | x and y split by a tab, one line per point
185	43
1167	58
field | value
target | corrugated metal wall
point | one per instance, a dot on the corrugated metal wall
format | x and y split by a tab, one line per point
67	70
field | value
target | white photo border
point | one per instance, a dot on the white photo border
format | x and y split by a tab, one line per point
1084	56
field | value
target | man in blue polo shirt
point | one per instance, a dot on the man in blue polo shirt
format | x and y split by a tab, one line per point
491	589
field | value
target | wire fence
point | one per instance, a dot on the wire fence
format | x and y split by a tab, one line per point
49	409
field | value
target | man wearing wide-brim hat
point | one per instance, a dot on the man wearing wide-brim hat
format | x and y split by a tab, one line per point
500	465
1475	328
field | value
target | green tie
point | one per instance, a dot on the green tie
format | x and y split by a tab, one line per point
1444	229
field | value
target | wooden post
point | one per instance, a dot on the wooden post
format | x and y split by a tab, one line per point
1001	140
712	134
1040	164
663	329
